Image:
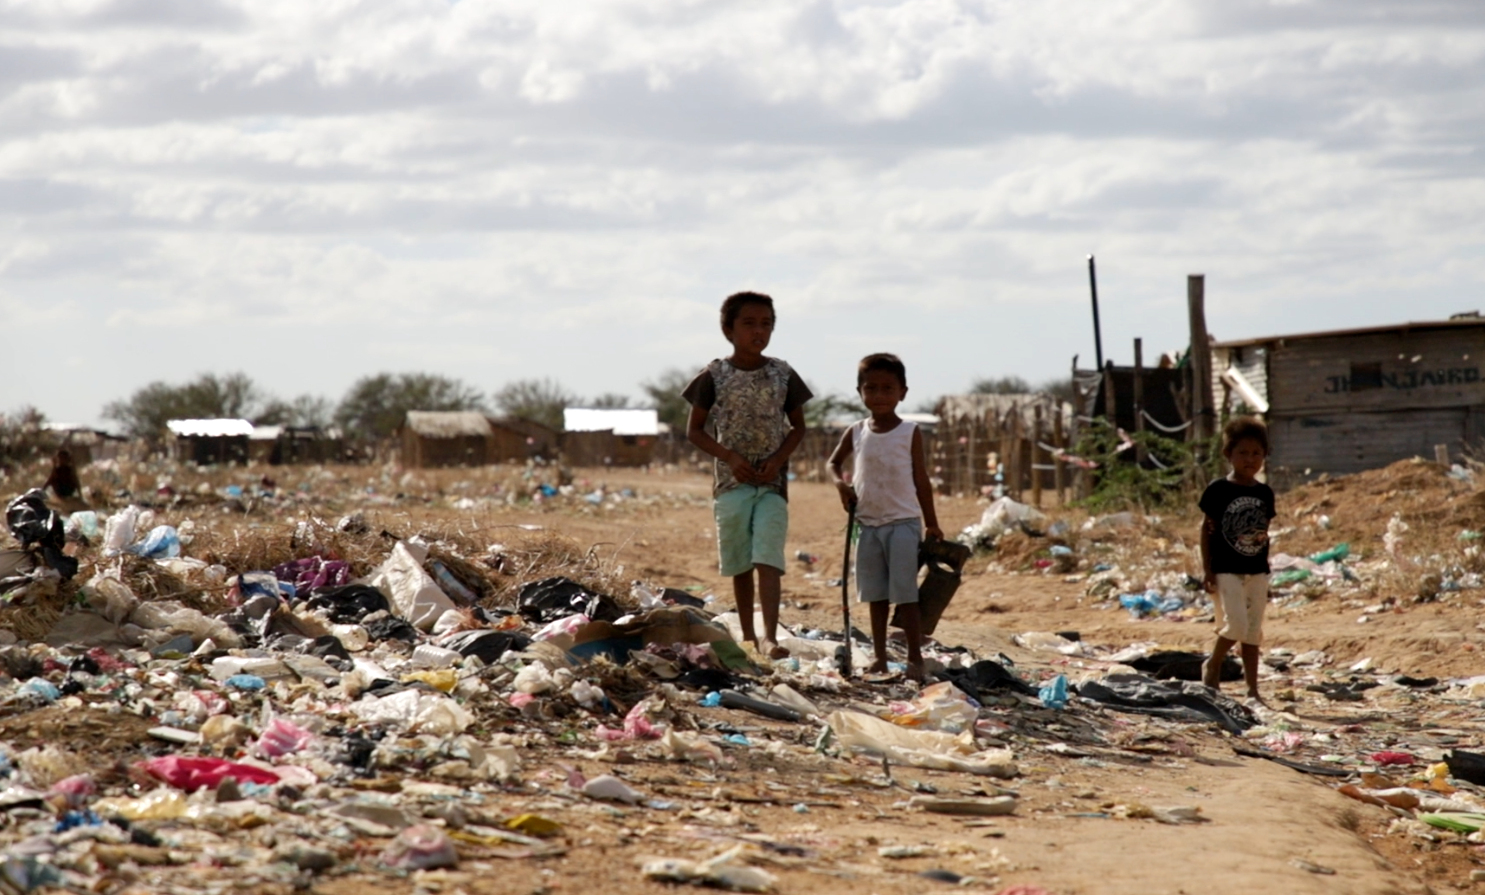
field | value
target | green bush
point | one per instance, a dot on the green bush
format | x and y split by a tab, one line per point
1173	476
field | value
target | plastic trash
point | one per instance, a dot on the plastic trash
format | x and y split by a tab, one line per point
282	738
162	804
421	847
163	542
609	788
43	688
637	725
412	592
35	524
734	700
940	706
190	773
1291	576
416	710
118	530
993	807
1338	552
84	524
552	598
451	585
918	748
245	682
1053	694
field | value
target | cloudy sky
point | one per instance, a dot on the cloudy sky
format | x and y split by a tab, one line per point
310	192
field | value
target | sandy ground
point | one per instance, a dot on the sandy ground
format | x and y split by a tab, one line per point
822	821
1265	821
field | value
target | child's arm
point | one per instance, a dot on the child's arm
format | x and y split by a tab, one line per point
1208	577
931	531
837	474
775	463
742	470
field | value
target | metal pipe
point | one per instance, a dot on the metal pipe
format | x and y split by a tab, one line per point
1097	329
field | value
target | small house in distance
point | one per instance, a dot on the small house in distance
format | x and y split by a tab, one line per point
1349	400
206	442
446	438
609	437
518	440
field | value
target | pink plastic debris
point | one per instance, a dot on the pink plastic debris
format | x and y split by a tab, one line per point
421	847
191	773
106	663
283	738
1392	758
636	726
520	700
76	789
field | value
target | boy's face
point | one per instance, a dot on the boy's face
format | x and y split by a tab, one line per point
880	391
752	330
1247	458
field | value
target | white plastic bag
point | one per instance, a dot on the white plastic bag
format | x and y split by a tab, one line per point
110	597
118	531
416	711
413	593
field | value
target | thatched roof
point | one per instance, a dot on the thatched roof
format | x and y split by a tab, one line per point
448	423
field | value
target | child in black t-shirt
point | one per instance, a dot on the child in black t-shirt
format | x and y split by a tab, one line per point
1234	549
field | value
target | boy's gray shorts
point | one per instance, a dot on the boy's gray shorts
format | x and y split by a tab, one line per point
887	562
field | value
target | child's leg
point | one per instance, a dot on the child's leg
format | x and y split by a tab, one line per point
742	596
1250	668
912	629
880	610
770	591
1211	669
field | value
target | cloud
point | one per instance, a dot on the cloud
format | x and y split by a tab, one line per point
508	188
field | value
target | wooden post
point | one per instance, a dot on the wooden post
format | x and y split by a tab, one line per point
1110	396
1059	475
1201	359
1036	453
1139	397
1013	471
1441	455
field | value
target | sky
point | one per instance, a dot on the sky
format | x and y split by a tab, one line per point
497	190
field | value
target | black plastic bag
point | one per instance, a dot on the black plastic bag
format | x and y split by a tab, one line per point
349	603
390	627
489	646
1181	665
551	599
36	525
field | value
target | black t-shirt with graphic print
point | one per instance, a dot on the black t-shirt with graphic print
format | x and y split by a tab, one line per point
1241	513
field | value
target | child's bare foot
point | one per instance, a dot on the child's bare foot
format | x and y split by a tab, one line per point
1254	697
1208	678
877	667
772	650
915	671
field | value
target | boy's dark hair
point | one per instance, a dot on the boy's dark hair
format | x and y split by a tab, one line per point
1242	427
887	363
733	306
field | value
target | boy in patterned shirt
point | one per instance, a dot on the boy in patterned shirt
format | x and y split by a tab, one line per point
747	411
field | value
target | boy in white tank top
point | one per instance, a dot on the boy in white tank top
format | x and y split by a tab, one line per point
889	488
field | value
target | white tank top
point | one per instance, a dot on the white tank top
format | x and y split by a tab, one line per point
882	474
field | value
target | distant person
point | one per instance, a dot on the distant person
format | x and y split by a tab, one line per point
755	407
893	499
64	483
1234	549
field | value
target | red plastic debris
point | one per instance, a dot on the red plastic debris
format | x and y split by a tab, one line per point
1392	758
191	773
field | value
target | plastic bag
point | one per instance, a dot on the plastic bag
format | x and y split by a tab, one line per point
171	616
918	748
942	707
110	597
413	594
190	773
163	542
282	738
417	711
421	847
1053	694
118	530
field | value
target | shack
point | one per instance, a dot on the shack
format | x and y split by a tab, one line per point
1349	400
207	442
517	440
446	438
609	437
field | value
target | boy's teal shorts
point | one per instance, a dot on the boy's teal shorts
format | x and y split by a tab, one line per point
751	525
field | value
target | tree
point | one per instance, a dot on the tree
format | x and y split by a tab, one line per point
610	401
376	405
304	411
539	400
22	436
827	408
209	396
664	392
1001	385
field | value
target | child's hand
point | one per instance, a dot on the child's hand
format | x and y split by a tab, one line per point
847	496
1209	583
742	470
770	470
933	533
